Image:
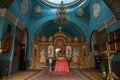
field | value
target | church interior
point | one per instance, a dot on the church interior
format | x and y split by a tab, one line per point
59	40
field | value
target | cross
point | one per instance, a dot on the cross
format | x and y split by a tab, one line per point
60	28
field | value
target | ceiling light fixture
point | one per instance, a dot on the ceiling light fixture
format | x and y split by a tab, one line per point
61	15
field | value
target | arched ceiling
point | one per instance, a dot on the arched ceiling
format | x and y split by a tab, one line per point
70	28
39	18
79	15
50	28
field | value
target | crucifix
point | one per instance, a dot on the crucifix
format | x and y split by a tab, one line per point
60	28
109	54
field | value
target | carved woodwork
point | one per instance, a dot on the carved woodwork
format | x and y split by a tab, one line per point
60	41
84	58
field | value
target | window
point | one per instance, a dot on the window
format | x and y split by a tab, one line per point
67	3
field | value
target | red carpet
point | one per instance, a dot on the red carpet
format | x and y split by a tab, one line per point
46	75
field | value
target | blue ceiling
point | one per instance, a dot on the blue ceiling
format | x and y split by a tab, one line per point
71	28
50	27
43	22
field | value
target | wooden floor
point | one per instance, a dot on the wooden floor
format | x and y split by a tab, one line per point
85	74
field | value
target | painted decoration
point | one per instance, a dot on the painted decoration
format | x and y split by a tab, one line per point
43	38
24	7
96	9
80	11
76	55
68	51
50	51
42	55
37	8
7	40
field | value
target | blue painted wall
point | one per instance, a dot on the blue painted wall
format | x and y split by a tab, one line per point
86	23
33	22
105	14
16	11
5	22
1	27
6	58
113	27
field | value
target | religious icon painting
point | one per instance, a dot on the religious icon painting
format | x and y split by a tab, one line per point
42	55
68	51
50	51
7	40
75	55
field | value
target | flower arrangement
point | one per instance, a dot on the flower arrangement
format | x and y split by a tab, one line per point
102	66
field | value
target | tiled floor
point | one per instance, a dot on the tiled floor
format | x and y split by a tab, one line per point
21	75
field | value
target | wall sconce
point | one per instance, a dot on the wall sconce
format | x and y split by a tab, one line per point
1	49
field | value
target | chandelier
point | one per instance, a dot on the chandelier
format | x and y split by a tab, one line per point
61	14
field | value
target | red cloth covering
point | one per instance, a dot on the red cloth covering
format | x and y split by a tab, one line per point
61	66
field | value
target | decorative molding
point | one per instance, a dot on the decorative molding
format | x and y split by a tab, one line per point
111	21
7	14
2	12
101	27
20	25
107	23
10	16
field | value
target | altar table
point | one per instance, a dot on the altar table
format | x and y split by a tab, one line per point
61	66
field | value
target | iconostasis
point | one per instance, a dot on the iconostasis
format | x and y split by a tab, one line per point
75	50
